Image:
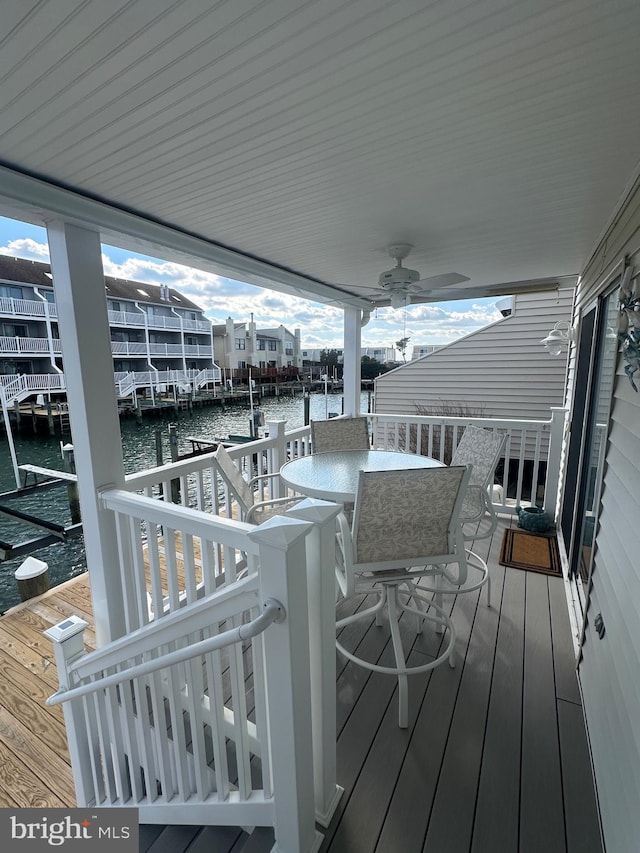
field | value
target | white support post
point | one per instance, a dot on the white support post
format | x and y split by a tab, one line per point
279	453
351	366
556	438
76	265
7	426
321	582
67	638
281	542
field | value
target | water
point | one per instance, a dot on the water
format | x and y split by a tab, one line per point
139	449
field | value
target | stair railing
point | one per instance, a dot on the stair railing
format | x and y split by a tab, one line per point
161	719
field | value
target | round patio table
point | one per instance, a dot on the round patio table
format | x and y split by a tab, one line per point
334	476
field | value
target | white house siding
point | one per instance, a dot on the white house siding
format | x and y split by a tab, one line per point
610	668
500	371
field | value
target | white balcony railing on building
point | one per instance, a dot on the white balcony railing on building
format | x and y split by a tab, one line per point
138	348
9	306
29	346
18	387
157	321
23	307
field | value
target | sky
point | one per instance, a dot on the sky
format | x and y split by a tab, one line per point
321	325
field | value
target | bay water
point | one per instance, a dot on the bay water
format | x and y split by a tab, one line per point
67	559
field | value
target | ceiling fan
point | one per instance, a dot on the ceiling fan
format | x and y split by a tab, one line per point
400	286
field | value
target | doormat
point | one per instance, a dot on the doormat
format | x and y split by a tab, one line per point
530	551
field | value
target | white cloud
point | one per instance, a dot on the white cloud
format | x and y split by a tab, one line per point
25	247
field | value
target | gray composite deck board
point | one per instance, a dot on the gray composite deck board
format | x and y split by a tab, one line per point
567	686
451	824
541	810
411	805
498	802
583	830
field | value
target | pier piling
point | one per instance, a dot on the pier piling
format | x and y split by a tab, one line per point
32	577
72	487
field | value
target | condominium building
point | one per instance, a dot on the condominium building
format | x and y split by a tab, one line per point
155	330
239	345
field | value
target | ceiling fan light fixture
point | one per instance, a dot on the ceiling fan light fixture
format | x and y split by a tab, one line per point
399	299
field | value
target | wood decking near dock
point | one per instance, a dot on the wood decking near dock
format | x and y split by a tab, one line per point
495	757
35	767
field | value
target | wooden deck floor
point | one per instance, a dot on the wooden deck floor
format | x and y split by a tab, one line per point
495	757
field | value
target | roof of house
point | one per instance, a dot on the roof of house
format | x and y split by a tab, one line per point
22	270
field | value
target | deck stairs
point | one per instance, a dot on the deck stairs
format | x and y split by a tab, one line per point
204	839
18	388
175	718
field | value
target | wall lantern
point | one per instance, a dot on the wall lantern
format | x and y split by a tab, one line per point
559	338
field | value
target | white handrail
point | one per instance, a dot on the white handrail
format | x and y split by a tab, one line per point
273	612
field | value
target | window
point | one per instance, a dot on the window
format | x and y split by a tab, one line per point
114	305
14	330
261	345
10	291
240	343
273	346
288	349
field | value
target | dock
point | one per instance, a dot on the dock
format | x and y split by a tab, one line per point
35	768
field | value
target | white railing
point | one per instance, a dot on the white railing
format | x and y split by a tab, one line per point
23	307
196	484
18	387
530	450
36	308
197	325
27	346
198	350
128	348
529	469
166	719
126	318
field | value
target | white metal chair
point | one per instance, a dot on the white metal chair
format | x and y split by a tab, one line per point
340	434
480	449
406	525
251	510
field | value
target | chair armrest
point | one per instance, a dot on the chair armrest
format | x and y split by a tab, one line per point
263	477
256	507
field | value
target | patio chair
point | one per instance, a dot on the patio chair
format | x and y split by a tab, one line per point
340	434
406	525
480	449
251	510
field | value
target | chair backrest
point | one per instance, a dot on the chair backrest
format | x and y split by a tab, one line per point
481	449
340	434
409	517
234	480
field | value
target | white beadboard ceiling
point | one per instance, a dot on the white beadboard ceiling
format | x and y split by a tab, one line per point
496	136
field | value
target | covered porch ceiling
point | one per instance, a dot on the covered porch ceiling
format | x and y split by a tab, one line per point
288	143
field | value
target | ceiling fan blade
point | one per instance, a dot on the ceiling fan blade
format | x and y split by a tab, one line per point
435	282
